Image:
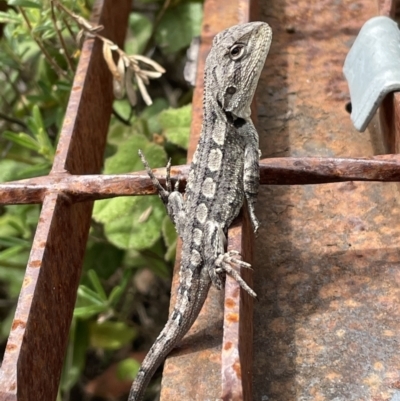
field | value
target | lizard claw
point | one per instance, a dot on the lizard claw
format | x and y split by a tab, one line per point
161	191
224	263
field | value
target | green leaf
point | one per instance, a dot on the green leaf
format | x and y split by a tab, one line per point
176	125
124	109
12	251
104	258
119	133
9	17
178	136
11	241
94	279
115	295
178	26
24	3
9	170
152	258
13	277
127	369
6	323
89	296
86	312
118	290
22	139
74	362
34	171
131	222
150	114
39	130
110	335
37	117
127	159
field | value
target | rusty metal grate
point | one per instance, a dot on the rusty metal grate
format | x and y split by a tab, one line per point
36	345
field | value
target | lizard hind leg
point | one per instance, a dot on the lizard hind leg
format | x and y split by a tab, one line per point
218	261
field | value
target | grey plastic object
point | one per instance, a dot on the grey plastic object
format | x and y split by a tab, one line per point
372	68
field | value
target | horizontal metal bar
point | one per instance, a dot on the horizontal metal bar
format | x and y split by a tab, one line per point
273	171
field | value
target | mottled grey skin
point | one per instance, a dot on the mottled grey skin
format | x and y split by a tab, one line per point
224	172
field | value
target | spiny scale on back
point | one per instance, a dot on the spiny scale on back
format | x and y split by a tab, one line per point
224	173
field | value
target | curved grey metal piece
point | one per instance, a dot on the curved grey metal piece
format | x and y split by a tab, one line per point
372	68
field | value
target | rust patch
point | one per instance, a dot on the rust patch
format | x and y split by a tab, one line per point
27	281
35	263
228	345
232	317
11	347
230	303
18	324
237	370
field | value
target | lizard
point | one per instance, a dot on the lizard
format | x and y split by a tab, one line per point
224	173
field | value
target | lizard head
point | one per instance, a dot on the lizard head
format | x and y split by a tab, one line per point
234	66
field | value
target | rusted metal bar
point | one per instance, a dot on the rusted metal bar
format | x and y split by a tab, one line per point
192	372
274	171
318	170
36	346
389	112
387	7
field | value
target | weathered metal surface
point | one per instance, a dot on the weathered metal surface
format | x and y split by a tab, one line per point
389	112
237	346
82	188
326	265
273	171
317	170
36	346
327	262
387	7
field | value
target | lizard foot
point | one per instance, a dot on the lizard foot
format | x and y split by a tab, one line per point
164	194
224	265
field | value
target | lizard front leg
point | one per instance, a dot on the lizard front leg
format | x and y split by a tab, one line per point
251	174
173	200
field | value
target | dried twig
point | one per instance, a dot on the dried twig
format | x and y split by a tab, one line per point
53	64
127	68
60	38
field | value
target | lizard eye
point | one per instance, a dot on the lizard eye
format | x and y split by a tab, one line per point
236	52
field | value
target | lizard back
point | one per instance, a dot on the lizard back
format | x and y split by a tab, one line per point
223	173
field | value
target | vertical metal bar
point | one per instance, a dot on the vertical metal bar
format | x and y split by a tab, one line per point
36	346
192	372
389	112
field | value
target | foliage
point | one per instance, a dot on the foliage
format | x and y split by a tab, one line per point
38	55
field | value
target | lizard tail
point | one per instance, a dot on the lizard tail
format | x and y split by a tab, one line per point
185	312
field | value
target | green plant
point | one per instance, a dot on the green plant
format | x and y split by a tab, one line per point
38	54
